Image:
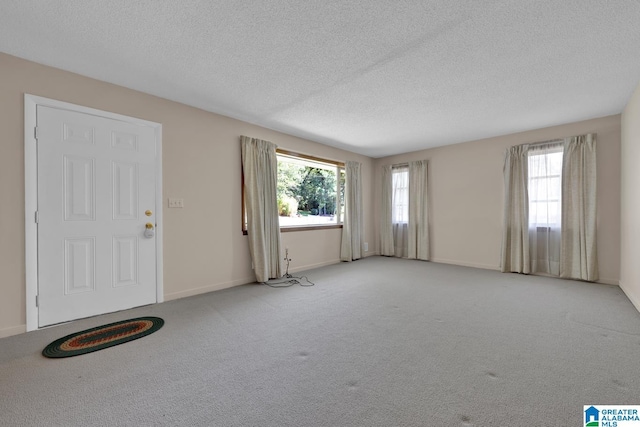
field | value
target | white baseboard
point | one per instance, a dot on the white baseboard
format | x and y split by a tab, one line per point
208	288
607	281
635	300
335	261
604	280
13	330
225	285
312	266
465	264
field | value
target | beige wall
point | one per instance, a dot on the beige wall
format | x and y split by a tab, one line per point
204	248
630	193
466	194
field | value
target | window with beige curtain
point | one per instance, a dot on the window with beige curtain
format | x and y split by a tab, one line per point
550	209
404	222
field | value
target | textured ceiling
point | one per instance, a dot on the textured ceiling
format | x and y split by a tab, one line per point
376	77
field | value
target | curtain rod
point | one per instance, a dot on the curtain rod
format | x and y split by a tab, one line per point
557	139
395	165
544	142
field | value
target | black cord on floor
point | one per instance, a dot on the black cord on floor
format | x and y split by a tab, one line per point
291	280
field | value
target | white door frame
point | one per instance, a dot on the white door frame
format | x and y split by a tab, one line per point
31	194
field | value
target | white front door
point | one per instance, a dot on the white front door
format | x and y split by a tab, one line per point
96	193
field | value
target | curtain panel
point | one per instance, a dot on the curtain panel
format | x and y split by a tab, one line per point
386	225
260	172
579	255
418	232
515	255
351	245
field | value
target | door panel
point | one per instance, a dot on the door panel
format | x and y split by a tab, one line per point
96	178
125	190
78	188
125	260
79	265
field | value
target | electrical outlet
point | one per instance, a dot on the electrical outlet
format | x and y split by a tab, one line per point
176	203
366	246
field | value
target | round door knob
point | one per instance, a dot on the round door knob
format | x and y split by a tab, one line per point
148	213
149	226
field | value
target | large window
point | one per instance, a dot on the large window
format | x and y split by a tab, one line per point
310	191
545	171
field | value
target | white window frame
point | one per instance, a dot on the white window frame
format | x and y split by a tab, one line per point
310	160
546	177
396	171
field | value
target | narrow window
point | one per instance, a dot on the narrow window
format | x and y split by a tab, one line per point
400	197
545	186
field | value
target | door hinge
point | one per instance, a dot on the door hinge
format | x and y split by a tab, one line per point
37	217
37	301
36	132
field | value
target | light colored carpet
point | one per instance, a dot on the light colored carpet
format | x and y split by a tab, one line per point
377	342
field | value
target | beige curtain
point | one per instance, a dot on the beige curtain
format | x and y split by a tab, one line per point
515	235
260	171
578	253
418	234
386	226
351	247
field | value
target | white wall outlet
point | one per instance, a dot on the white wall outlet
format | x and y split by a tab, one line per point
176	203
366	246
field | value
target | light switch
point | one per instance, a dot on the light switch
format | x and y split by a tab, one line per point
176	203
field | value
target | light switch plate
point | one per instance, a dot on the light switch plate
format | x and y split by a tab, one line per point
176	203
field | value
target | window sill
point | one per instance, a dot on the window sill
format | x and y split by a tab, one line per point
309	227
304	228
